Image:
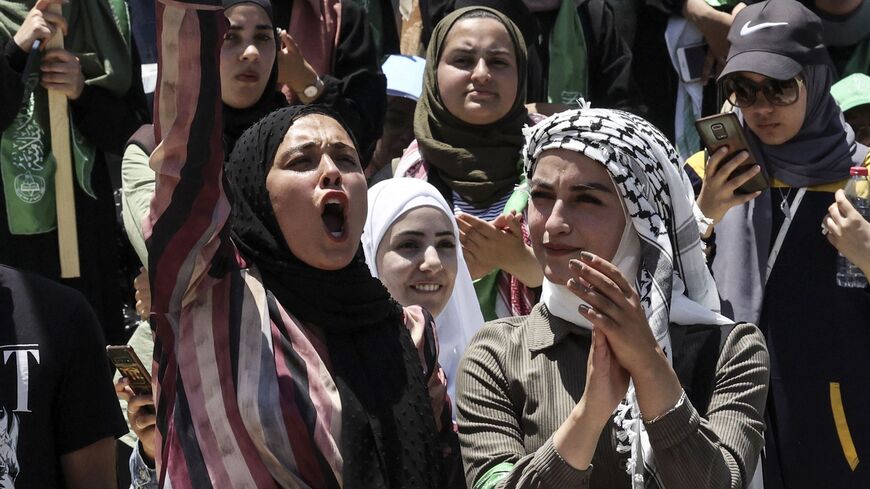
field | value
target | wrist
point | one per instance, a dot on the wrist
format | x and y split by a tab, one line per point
653	366
23	42
309	88
586	415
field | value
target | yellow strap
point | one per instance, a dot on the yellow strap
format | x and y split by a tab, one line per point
842	427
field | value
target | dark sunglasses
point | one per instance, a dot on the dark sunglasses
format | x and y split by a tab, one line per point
742	92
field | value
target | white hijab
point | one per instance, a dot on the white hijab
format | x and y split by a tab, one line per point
461	317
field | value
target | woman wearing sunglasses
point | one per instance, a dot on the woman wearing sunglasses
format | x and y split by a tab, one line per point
772	264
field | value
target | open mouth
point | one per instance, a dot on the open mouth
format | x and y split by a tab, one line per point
333	218
428	288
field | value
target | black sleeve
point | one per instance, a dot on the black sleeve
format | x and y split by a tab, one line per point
611	83
357	89
86	408
107	121
12	62
670	7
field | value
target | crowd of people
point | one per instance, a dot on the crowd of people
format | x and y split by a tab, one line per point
434	244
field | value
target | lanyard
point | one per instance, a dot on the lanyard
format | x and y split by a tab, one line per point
789	212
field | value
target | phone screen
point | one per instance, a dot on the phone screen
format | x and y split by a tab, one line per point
695	57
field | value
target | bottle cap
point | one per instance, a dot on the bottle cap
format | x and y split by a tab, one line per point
858	170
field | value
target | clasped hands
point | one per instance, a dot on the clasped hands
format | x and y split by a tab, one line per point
623	345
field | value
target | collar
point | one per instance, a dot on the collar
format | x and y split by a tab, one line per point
546	330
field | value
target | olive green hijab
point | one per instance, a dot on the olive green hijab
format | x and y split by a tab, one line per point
479	162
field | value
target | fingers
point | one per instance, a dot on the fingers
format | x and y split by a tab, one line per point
123	390
602	275
709	66
56	21
44	4
722	168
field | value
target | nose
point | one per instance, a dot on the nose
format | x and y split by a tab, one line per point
480	73
761	103
251	53
556	224
431	260
330	176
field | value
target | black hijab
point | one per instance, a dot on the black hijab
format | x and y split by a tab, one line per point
237	120
388	429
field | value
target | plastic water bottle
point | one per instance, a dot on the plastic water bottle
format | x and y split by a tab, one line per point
858	193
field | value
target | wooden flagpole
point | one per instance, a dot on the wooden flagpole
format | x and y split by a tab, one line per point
67	234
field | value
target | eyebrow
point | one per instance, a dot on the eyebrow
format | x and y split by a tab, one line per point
237	27
491	51
414	232
581	187
338	145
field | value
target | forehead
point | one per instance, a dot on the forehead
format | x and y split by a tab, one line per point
483	31
318	128
247	14
568	167
426	219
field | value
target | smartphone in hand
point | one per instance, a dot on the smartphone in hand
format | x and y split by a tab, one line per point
124	358
721	130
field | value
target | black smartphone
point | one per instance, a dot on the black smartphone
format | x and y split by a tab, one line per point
124	358
721	130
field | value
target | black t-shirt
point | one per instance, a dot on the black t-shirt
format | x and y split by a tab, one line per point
56	392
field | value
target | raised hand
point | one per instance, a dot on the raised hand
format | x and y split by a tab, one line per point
498	244
293	70
717	193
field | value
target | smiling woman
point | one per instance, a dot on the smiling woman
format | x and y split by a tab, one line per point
411	243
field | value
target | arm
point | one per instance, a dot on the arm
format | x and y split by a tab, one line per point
189	211
137	189
12	61
106	120
91	467
611	82
357	89
86	416
721	451
489	432
39	24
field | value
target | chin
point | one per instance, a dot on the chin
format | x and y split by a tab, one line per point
558	275
330	261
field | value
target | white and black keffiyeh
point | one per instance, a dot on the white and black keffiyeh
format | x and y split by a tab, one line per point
673	281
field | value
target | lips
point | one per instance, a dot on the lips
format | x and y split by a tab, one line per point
481	94
334	215
248	76
427	288
558	249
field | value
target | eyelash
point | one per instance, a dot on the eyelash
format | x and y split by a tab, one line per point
583	198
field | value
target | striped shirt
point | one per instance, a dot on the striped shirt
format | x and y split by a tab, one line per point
487	214
244	393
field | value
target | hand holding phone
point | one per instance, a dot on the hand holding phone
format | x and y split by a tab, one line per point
124	358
